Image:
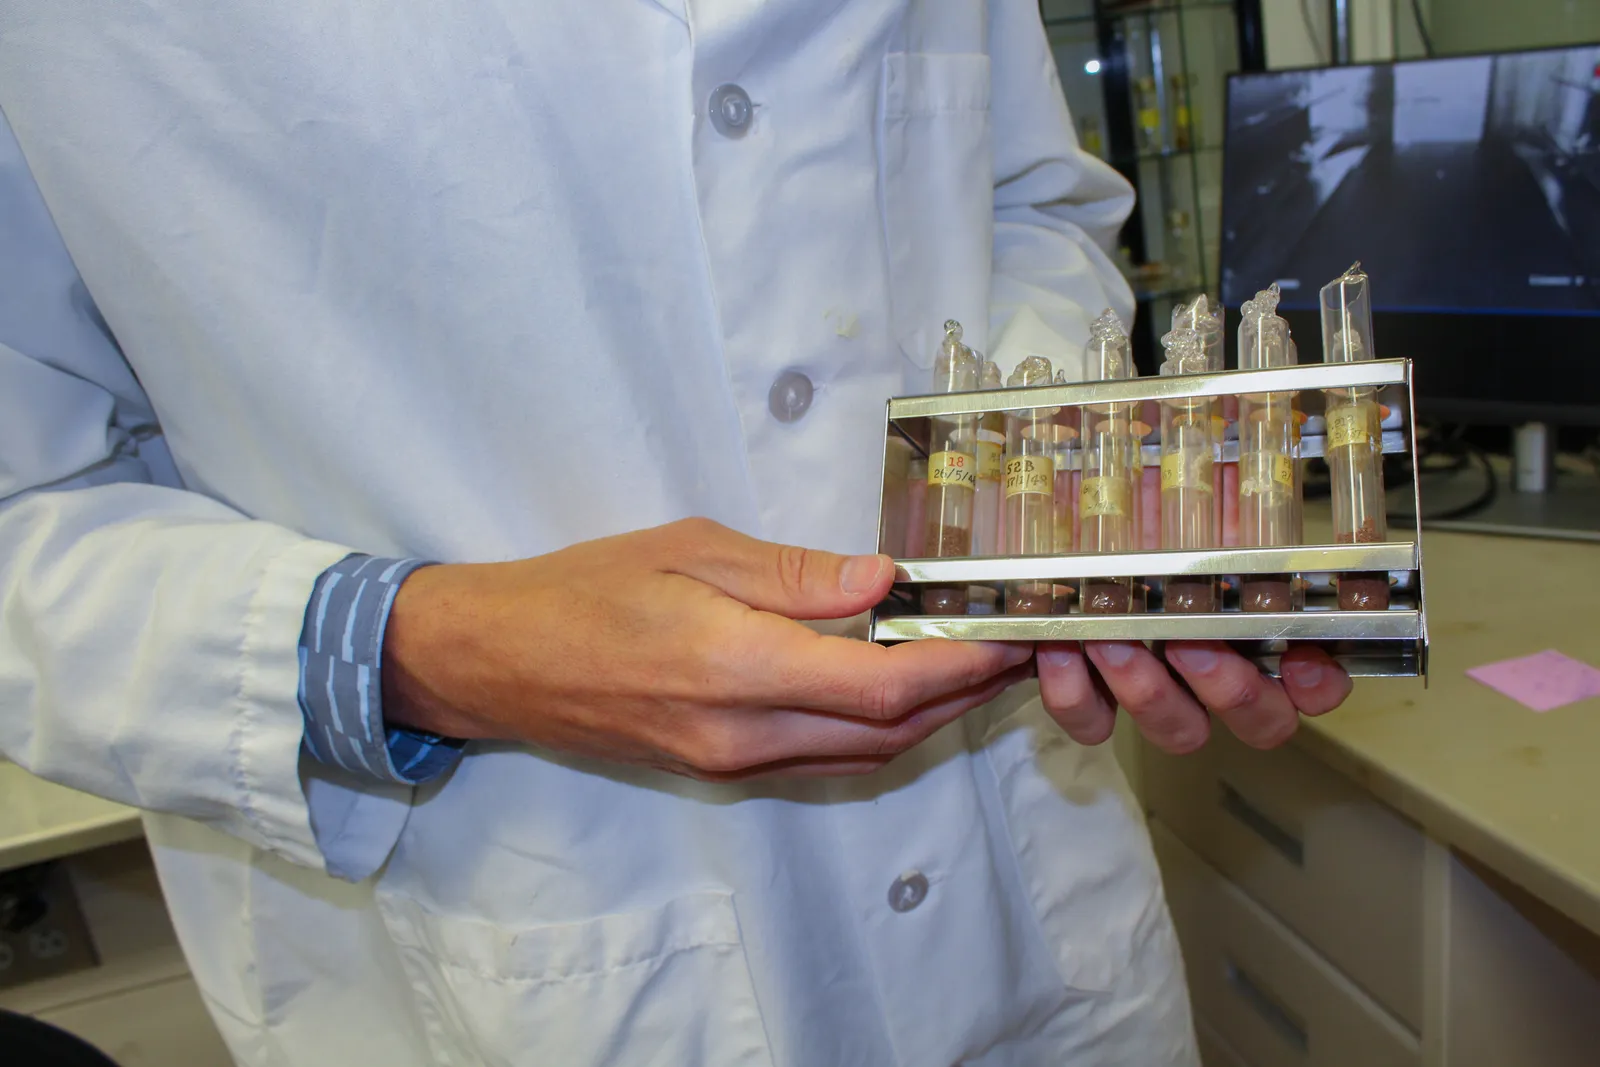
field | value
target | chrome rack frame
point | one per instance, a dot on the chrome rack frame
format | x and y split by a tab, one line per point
1392	643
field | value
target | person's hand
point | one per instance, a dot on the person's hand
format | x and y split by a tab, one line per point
1081	691
675	647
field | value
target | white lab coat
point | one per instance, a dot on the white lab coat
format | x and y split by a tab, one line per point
474	281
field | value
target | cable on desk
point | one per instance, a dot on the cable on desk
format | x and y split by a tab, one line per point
1457	455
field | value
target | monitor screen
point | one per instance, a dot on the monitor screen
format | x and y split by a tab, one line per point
1468	185
1469	189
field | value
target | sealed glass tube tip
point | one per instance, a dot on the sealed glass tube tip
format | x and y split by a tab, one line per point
1188	455
1206	321
952	472
1354	446
1107	491
1268	502
1030	485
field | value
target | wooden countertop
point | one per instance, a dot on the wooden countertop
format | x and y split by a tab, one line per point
1517	789
41	821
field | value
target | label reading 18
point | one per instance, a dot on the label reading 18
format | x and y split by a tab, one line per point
1030	474
1103	497
952	468
1349	426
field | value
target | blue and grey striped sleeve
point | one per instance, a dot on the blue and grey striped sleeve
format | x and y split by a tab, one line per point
341	682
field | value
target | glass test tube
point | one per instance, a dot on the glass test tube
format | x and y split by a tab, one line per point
1355	438
1206	320
1107	494
991	449
952	472
1064	453
987	500
1188	456
896	496
1030	488
1146	495
1266	454
916	507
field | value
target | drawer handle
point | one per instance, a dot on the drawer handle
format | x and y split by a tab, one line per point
1282	841
1275	1015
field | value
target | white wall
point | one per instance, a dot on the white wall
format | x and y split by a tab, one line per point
1298	36
1386	29
1502	25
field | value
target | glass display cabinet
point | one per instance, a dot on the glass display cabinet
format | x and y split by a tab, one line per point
1146	81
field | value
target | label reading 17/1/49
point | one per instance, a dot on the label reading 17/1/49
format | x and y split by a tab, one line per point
1030	474
953	469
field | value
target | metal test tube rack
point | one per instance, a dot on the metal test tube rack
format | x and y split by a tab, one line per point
1391	643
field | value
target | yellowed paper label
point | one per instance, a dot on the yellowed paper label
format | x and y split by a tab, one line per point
1175	476
1348	426
991	461
1030	474
1150	118
1103	496
1283	470
953	468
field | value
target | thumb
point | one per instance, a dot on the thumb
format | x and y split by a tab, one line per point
800	583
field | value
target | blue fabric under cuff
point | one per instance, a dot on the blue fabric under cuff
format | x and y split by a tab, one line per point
341	676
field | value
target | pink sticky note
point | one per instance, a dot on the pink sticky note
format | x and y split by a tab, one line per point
1542	681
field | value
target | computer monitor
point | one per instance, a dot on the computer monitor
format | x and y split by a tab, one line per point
1469	189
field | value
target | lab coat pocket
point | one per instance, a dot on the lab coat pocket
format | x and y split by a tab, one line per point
665	986
1082	850
936	171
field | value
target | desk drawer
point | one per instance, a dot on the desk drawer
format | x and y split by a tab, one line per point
1214	1052
1340	868
162	1025
1267	994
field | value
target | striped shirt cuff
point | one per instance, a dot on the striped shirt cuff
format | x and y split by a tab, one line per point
341	681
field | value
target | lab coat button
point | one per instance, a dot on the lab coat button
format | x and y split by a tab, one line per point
790	396
908	890
730	110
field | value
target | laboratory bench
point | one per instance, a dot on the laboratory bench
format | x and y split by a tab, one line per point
1415	880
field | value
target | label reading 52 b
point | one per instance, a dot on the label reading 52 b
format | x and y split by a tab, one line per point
952	468
1030	474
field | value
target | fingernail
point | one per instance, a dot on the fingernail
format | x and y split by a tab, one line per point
1116	653
860	573
1014	653
1058	658
1305	675
1193	660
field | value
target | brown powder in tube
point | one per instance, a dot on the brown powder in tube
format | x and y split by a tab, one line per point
1189	596
1364	590
946	542
1032	598
1106	598
1266	592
